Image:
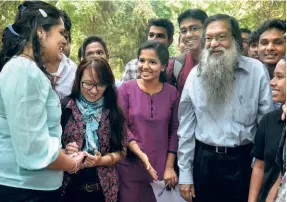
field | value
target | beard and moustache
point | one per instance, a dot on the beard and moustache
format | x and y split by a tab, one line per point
217	72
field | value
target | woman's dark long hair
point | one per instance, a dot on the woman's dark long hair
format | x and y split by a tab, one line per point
28	20
105	76
10	46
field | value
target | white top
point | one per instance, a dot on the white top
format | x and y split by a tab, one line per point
66	72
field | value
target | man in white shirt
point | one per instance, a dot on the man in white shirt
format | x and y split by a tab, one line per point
223	99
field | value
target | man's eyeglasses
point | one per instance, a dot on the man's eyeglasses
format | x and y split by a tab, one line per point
90	86
191	29
218	38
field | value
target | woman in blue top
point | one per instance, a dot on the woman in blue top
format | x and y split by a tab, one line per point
31	159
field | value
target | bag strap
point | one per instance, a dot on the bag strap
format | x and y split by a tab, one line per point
178	65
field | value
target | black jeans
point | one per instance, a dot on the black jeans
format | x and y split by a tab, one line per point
221	177
80	196
12	194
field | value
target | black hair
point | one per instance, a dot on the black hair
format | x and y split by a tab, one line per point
233	27
196	14
116	116
163	22
68	24
283	58
161	51
27	22
80	53
253	38
272	24
10	46
245	30
89	40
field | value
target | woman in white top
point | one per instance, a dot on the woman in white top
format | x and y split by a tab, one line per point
31	158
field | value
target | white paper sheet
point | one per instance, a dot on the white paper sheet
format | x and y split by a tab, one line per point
167	196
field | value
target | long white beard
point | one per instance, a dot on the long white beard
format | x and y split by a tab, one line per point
217	74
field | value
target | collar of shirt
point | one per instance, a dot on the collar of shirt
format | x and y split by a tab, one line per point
242	64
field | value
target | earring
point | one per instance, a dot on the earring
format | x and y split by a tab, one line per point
39	34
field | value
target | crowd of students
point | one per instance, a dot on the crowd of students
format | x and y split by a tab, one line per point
198	120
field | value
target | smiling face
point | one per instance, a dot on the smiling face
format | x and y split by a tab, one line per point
96	49
91	87
191	30
149	65
217	37
278	83
271	46
52	42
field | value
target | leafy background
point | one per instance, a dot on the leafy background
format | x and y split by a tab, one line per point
123	23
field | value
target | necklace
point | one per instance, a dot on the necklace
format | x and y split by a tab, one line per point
29	57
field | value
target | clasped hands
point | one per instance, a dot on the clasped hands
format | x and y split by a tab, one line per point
72	150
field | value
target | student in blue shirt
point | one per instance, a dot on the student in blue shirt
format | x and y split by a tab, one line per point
31	158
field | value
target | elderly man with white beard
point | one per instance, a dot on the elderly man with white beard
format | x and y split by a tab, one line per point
222	102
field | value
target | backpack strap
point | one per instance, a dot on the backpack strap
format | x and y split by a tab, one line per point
178	65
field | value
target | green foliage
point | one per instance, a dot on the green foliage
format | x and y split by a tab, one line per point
123	24
7	13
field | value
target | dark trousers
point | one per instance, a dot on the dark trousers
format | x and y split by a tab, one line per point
11	194
221	177
79	196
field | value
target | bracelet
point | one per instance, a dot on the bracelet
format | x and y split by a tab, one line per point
112	159
75	169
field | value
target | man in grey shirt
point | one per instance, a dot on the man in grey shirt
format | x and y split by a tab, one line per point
222	102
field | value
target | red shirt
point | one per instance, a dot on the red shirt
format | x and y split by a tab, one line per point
188	65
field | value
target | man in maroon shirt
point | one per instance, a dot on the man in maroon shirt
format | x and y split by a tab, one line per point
190	25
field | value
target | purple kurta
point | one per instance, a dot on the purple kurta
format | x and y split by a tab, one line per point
152	123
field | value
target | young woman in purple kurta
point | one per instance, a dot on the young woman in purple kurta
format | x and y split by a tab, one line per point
150	108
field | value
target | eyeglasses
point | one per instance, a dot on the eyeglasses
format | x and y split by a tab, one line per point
90	86
218	38
191	29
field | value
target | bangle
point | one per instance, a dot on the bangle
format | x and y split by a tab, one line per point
112	159
75	169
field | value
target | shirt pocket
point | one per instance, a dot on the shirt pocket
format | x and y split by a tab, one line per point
245	112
